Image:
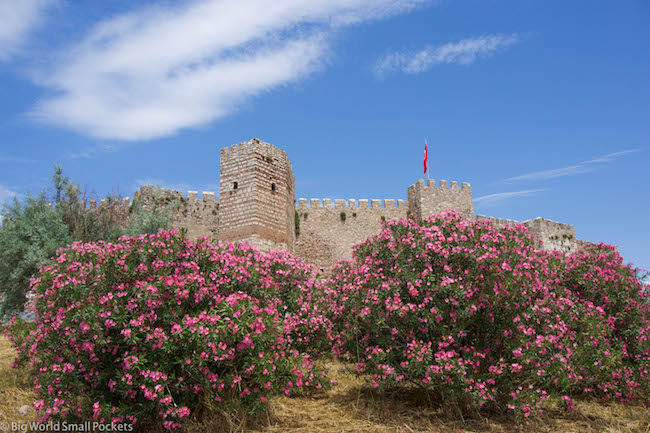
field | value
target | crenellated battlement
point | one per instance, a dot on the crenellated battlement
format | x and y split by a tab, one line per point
125	203
235	150
326	203
199	216
443	184
425	198
250	148
206	196
499	222
328	228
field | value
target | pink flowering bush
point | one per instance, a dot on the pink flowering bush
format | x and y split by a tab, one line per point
612	314
283	276
150	330
476	315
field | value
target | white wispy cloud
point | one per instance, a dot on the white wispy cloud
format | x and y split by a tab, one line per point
552	173
492	199
17	19
157	70
96	150
570	170
463	52
611	156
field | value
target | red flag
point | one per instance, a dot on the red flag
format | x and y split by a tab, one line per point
426	156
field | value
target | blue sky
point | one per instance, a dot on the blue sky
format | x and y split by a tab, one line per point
543	106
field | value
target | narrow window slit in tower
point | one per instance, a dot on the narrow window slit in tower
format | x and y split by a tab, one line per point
272	187
234	185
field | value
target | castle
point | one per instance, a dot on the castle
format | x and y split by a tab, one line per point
257	205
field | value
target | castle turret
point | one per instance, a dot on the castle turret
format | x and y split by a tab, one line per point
426	199
257	196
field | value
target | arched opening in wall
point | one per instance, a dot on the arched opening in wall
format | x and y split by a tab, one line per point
272	187
235	185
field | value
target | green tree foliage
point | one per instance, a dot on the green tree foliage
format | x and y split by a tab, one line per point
60	182
33	231
30	234
90	225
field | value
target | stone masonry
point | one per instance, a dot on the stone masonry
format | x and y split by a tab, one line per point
256	196
257	205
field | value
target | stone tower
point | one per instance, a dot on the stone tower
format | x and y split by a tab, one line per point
426	199
257	196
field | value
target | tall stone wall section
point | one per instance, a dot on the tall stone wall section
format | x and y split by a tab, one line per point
426	199
256	196
199	217
553	235
550	235
327	233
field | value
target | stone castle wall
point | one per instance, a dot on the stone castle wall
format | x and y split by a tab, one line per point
198	217
327	234
257	205
553	235
550	235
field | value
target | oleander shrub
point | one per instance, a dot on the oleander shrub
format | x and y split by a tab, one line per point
612	313
304	302
155	329
476	316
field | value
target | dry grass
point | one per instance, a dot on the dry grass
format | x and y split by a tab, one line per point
15	388
350	407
